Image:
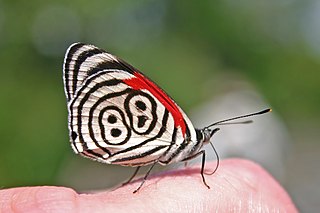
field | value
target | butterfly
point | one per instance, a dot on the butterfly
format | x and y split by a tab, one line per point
117	115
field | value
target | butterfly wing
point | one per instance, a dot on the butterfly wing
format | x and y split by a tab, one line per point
116	114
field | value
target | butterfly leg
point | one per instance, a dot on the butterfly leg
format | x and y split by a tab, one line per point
145	177
203	153
185	163
132	176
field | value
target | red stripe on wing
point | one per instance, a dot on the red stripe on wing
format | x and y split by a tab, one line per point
141	82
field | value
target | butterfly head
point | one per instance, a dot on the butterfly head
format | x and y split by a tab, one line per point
207	134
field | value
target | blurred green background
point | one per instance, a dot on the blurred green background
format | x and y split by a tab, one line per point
274	45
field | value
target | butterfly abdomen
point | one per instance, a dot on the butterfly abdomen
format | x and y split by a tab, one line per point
181	150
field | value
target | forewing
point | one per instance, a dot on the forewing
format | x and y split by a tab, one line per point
83	60
109	120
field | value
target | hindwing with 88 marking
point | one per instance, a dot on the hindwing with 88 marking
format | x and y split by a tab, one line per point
118	116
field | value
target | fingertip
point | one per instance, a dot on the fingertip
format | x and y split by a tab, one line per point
238	185
255	187
38	199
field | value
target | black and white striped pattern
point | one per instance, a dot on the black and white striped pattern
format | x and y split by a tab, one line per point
111	122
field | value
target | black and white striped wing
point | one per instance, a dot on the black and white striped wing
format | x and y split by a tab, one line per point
109	120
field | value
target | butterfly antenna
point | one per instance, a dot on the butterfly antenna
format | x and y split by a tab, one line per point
239	117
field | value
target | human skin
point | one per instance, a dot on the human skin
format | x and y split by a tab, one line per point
237	186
